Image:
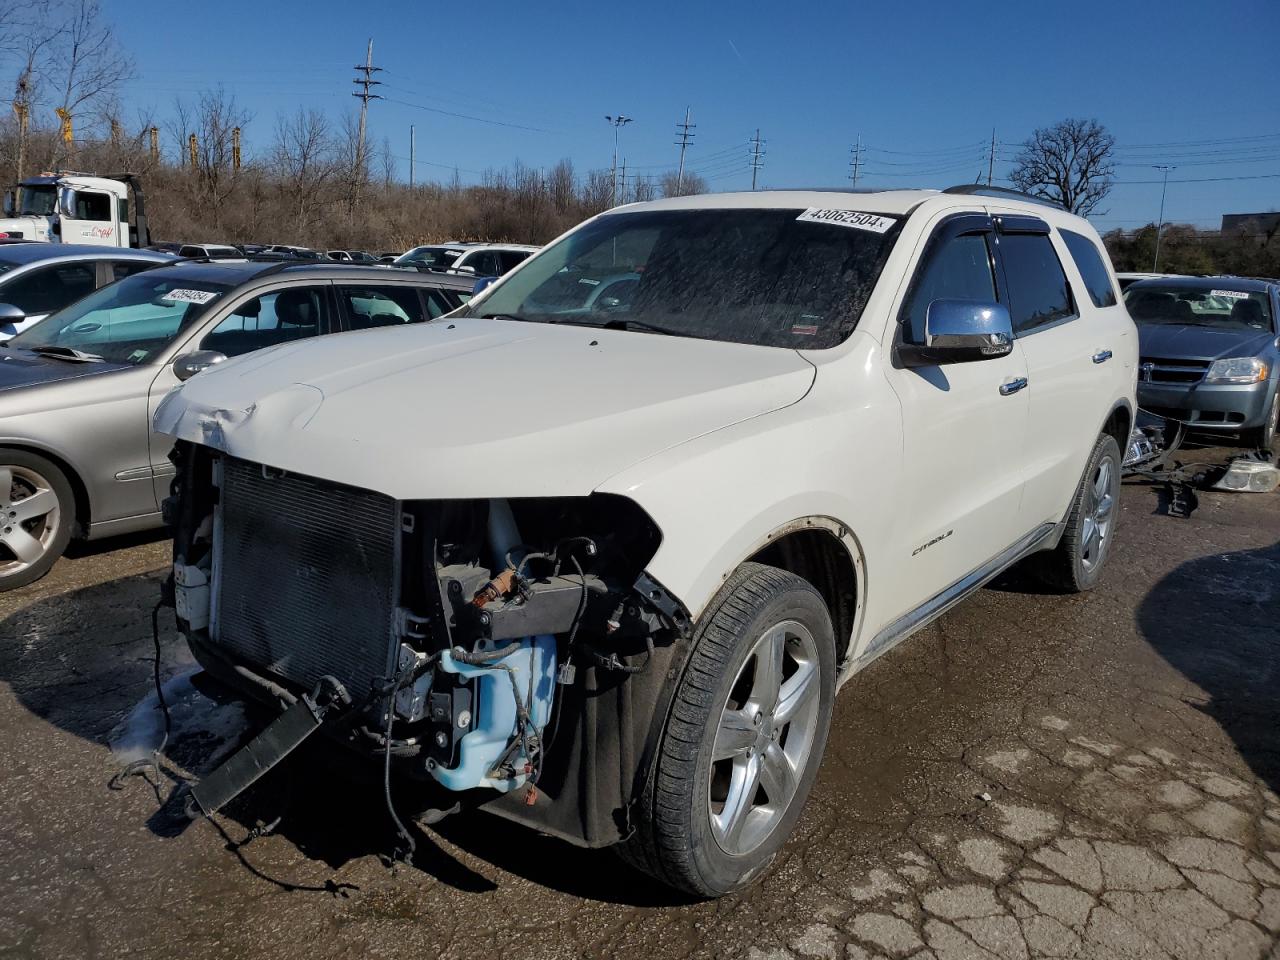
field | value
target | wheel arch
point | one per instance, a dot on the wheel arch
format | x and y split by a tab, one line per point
1119	423
824	552
84	506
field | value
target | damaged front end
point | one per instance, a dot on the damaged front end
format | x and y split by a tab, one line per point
510	646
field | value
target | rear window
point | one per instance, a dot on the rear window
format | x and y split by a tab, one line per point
1038	291
1093	269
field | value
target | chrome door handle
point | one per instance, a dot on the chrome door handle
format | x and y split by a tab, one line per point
1013	386
1102	356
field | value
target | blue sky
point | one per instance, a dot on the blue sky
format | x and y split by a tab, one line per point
1195	84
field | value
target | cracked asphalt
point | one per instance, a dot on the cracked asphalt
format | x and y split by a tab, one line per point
1033	776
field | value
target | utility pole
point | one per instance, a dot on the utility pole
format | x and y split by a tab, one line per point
618	123
686	138
622	178
155	144
412	155
991	160
235	149
757	156
1155	263
364	83
855	162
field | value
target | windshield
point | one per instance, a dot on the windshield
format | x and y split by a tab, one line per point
439	257
781	278
1199	305
39	201
127	322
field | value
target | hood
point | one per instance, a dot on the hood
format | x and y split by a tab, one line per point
1189	342
478	408
22	368
27	228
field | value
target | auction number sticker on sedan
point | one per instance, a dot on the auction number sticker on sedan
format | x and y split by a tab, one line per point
189	296
848	218
1229	294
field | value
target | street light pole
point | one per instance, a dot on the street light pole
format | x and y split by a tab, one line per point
1155	263
618	122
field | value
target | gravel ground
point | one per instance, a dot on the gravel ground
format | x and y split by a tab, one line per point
1033	776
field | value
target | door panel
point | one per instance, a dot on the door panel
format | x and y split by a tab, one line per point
1060	333
962	434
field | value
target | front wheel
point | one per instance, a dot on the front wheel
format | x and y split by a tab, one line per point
746	734
37	509
1076	563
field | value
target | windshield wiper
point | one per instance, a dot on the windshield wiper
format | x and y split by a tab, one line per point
506	316
66	353
623	323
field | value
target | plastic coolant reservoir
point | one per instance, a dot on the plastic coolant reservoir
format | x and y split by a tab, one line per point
493	722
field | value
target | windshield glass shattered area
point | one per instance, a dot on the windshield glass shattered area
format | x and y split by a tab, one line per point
780	278
1199	306
127	322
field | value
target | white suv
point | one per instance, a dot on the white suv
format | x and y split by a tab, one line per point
475	259
602	560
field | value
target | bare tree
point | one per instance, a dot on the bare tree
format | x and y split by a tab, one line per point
88	62
1069	163
302	158
671	185
213	120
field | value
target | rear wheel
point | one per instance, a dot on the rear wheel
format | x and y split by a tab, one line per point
746	733
1264	437
1076	563
37	509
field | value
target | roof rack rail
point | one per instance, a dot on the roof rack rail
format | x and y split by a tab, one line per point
982	190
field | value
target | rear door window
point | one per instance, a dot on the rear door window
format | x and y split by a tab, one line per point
1092	267
281	316
1038	290
508	259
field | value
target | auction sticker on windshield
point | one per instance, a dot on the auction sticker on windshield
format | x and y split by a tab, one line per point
848	218
189	296
1229	294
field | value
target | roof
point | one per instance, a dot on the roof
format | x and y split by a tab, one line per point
21	253
236	272
1242	284
892	202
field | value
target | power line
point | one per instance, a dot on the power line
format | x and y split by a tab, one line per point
465	116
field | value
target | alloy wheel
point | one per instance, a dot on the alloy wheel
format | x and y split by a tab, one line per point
764	737
1099	509
29	518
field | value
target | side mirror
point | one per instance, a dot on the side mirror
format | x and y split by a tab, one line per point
960	331
11	314
10	204
189	364
465	269
67	204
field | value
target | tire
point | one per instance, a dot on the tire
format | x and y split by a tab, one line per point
1076	563
32	537
1264	437
699	825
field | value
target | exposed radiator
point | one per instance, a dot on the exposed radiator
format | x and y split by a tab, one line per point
305	580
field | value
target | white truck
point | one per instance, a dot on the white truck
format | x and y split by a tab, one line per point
76	208
599	563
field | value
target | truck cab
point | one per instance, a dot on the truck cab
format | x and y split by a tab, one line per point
76	208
